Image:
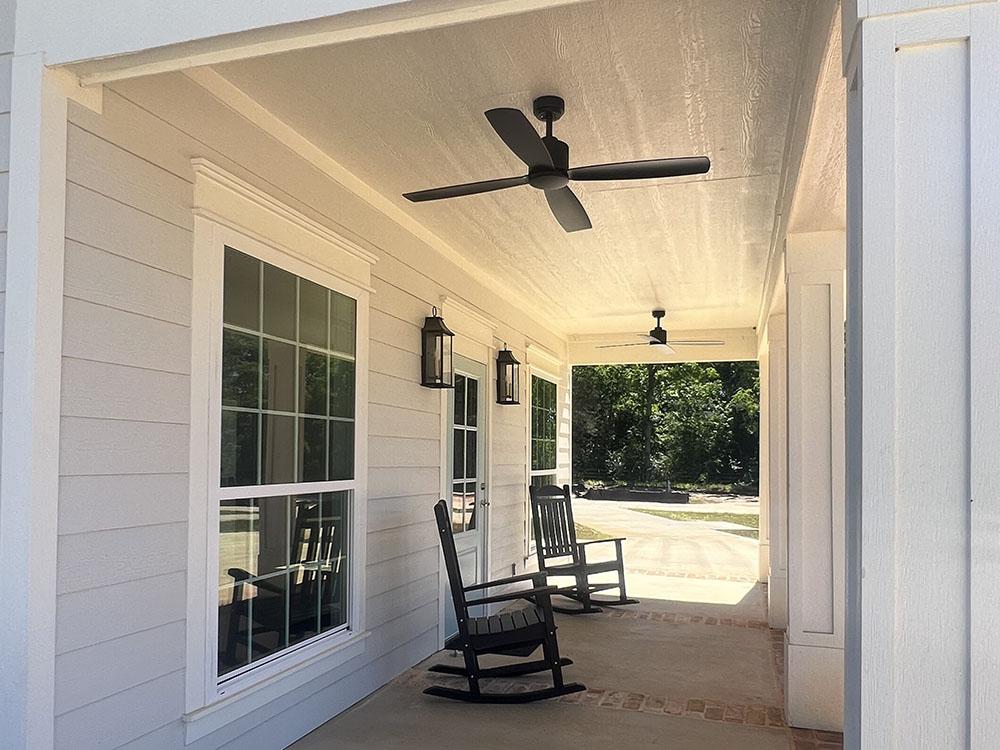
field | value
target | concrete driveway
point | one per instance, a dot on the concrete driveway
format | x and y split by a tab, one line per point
658	546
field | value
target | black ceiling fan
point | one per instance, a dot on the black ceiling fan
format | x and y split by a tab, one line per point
547	159
658	337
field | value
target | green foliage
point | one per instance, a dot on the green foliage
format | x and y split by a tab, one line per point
703	423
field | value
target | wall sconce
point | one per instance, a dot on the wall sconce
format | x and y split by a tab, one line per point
437	361
508	377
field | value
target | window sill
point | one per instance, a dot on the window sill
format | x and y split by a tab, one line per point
244	699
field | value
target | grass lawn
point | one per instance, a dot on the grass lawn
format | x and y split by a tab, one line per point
750	520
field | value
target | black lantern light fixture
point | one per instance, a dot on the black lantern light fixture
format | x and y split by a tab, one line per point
508	377
437	363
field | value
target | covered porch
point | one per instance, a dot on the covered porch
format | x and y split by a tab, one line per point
215	294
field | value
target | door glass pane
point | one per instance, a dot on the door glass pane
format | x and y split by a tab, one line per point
279	302
312	314
459	399
470	454
472	402
470	505
458	460
277	449
238	465
241	291
457	506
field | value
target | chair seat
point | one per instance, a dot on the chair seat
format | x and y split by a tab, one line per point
569	569
518	626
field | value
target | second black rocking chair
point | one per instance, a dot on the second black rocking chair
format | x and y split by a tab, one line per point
516	633
555	538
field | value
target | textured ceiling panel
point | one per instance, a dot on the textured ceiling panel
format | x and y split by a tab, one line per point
641	79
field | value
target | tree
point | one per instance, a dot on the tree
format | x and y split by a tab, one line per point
654	423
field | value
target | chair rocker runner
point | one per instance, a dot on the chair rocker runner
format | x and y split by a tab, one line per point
516	633
555	537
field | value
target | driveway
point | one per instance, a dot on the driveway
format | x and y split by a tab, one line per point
659	546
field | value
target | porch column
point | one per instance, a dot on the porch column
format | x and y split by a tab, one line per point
923	646
763	492
777	470
815	637
30	415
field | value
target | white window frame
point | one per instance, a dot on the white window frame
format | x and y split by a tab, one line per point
230	212
535	372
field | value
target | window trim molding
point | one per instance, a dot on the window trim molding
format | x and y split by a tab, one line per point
264	229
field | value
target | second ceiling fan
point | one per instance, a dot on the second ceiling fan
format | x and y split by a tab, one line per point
657	337
547	159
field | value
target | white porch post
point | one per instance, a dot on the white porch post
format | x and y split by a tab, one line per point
764	494
30	419
923	648
815	638
777	470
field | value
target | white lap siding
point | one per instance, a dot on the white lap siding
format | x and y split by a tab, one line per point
124	443
5	59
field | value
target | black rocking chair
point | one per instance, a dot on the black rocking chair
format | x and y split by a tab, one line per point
555	538
516	633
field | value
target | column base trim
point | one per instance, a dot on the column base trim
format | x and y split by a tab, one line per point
777	600
814	687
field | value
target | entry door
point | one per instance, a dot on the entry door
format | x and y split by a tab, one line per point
469	504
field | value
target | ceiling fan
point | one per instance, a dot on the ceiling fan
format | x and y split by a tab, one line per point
547	159
658	337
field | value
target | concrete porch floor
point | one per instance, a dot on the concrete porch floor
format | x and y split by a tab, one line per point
693	666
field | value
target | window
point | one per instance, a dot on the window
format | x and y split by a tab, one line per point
543	441
286	483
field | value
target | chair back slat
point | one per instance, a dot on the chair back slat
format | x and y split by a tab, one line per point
443	518
552	516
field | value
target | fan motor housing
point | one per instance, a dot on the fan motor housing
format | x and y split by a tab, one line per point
556	176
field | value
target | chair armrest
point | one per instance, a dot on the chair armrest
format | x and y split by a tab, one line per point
511	596
505	581
241	576
601	541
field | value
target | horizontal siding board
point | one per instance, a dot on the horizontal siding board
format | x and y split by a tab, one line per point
403	392
99	503
98	221
100	671
99	446
98	389
110	612
399	571
399	482
103	334
112	171
396	421
4	142
122	717
5	63
103	558
396	512
111	280
389	359
400	333
401	451
389	605
401	542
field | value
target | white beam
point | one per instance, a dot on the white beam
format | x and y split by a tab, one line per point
777	472
815	636
30	418
924	429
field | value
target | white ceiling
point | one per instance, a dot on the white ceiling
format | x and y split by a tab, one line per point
641	79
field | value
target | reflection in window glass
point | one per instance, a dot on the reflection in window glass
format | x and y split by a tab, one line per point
465	436
543	438
283	567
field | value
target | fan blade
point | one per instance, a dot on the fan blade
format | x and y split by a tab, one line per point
469	188
666	348
649	339
643	170
520	136
616	346
696	343
567	209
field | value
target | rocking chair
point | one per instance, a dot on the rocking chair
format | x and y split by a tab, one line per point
555	537
515	633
